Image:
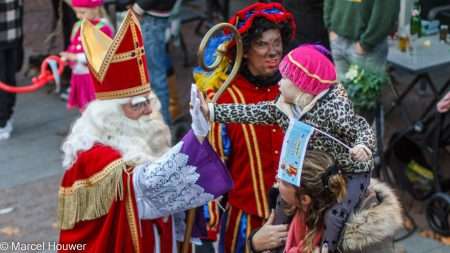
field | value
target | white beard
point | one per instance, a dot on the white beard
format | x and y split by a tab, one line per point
138	141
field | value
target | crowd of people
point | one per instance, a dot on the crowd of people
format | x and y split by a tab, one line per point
126	187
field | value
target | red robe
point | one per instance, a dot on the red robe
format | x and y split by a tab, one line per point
114	229
253	162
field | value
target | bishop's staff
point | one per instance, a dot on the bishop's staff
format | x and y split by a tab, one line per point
221	54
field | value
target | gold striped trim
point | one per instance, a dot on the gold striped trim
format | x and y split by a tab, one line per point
217	216
212	216
130	55
131	216
94	73
214	213
296	63
229	217
123	93
250	154
260	172
90	198
220	143
140	61
129	19
247	233
259	166
211	135
236	229
94	179
216	134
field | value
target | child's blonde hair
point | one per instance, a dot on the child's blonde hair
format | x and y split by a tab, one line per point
325	186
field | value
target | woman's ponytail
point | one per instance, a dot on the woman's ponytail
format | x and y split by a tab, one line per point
337	185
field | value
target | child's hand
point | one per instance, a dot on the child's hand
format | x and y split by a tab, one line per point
65	56
360	153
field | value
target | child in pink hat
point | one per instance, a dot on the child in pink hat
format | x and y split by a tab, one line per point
87	3
311	93
81	86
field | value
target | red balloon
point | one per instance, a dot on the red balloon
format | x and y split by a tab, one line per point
38	82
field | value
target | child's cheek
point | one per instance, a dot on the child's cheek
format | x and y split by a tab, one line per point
287	194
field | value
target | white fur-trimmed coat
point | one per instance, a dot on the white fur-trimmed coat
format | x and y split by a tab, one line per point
372	227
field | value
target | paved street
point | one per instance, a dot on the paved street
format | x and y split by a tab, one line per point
30	162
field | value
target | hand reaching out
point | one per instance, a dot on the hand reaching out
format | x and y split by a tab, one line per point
66	56
444	104
200	125
359	49
360	153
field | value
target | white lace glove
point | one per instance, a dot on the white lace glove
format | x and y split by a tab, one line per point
200	124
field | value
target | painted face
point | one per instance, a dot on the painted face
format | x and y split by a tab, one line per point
265	53
138	107
86	13
288	192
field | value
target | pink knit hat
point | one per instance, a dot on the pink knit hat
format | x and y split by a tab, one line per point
87	3
309	69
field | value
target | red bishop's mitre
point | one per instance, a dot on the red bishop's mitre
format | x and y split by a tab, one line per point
118	66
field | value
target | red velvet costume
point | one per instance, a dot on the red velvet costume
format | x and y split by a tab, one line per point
253	161
251	152
107	205
110	225
255	149
118	229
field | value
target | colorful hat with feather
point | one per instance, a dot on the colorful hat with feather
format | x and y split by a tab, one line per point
273	12
209	82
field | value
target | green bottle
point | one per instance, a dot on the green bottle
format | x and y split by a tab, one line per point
416	21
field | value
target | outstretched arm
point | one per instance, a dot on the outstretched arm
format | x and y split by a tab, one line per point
261	113
264	113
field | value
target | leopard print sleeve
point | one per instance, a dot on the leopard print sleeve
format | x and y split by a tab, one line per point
264	113
351	127
365	134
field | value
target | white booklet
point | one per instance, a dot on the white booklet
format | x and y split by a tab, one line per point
293	151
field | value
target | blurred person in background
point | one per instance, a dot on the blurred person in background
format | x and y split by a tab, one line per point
62	9
308	16
154	16
251	152
309	19
11	56
358	31
65	17
81	86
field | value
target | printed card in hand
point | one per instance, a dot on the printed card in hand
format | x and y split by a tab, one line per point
293	151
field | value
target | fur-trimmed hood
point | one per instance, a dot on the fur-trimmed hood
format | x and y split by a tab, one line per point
379	217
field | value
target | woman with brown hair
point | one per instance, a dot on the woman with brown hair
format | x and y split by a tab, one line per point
370	229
